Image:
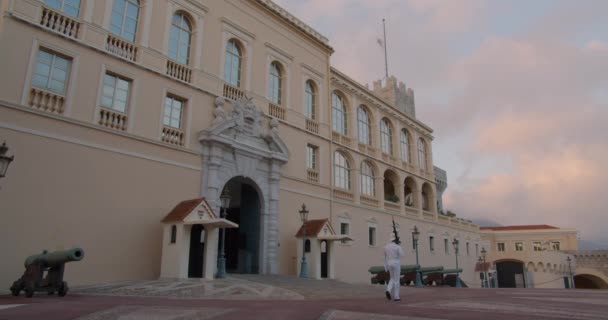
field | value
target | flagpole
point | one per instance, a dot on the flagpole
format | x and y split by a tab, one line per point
385	56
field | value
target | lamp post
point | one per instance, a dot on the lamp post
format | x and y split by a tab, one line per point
480	263
303	266
415	237
4	159
570	271
485	269
455	243
221	260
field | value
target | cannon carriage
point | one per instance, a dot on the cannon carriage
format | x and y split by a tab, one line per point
51	263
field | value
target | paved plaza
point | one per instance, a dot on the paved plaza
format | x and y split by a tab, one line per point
277	297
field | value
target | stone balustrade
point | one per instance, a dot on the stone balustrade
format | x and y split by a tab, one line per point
341	139
276	111
59	22
46	101
112	119
172	136
179	71
121	48
312	126
392	206
343	194
427	215
369	201
232	93
312	175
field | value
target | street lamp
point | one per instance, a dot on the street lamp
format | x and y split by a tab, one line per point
303	266
455	243
485	269
4	159
480	263
221	261
570	271
415	237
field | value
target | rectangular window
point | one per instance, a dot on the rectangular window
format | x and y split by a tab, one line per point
69	7
477	250
115	94
174	107
538	246
372	236
468	252
500	246
51	72
344	230
519	246
446	246
432	243
311	156
555	245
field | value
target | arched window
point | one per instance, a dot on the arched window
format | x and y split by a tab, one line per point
338	113
274	83
124	18
363	125
179	39
309	100
232	65
386	137
405	146
173	233
307	246
341	171
69	7
422	156
367	179
425	200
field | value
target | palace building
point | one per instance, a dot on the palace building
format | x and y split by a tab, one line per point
129	119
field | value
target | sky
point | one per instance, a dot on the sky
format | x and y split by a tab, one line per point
516	93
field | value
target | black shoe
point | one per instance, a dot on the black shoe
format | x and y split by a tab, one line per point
397	299
388	295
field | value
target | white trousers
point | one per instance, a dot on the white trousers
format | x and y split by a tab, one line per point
394	284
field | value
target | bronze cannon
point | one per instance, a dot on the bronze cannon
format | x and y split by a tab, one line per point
53	263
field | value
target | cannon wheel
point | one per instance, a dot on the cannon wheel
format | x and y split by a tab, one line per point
63	289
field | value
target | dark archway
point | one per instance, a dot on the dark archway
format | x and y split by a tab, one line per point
510	274
197	249
588	281
324	259
242	246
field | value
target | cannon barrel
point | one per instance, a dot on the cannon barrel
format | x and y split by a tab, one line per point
55	258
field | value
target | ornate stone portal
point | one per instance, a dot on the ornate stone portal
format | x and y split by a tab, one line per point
239	145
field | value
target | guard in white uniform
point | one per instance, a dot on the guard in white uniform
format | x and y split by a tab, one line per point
392	264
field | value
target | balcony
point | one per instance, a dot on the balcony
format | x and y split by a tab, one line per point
179	71
172	136
411	211
427	215
60	23
112	119
276	111
369	201
121	48
341	139
392	206
312	126
343	194
313	175
232	93
46	101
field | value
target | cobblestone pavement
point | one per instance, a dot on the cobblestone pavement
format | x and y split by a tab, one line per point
266	297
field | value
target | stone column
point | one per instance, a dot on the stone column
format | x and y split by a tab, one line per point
271	220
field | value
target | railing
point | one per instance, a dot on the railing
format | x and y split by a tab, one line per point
312	126
276	111
232	93
313	175
179	71
59	23
172	136
339	138
121	48
411	211
369	201
427	215
342	194
46	101
112	119
443	219
392	206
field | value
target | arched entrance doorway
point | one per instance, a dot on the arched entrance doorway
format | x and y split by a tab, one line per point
588	281
242	247
324	259
197	248
510	274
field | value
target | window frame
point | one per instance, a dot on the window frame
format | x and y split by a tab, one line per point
446	246
275	83
367	179
182	110
184	18
124	17
311	157
229	58
52	69
432	244
519	244
422	154
364	129
501	247
62	7
341	171
310	97
404	142
386	136
115	88
372	232
339	114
